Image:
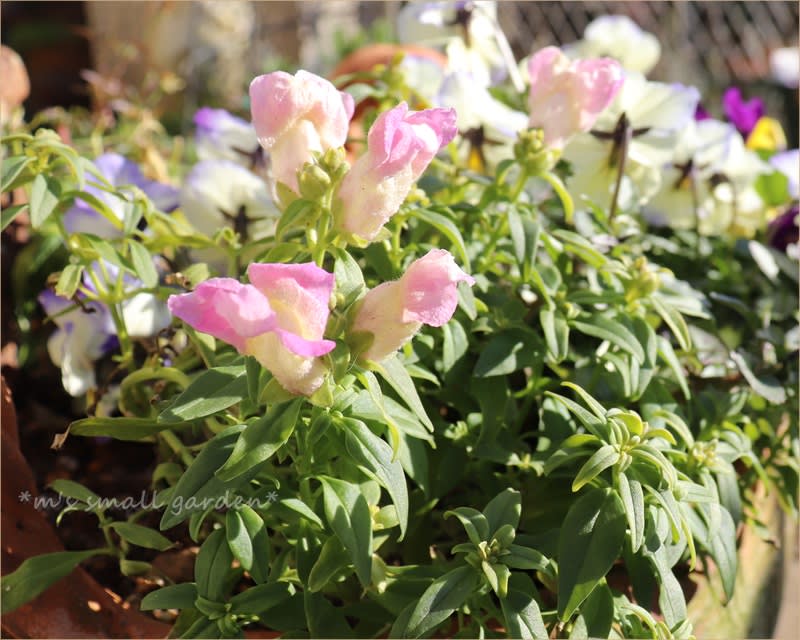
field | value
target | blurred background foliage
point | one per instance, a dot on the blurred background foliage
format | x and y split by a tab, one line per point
204	52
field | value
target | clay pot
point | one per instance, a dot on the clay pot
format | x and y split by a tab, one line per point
74	607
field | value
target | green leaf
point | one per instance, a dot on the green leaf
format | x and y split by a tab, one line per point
323	619
198	481
614	332
302	509
69	280
141	536
437	603
581	247
674	321
255	600
376	457
596	408
632	496
45	194
393	371
133	567
174	596
348	514
9	214
261	439
772	392
454	344
589	543
596	614
773	188
556	333
605	457
211	392
450	231
13	166
504	509
506	352
143	265
722	546
667	353
70	489
239	541
520	557
593	424
212	566
475	523
348	277
119	428
523	619
36	574
332	559
497	576
297	214
259	542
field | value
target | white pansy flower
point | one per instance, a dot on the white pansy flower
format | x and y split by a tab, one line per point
217	193
647	117
700	152
468	31
621	38
488	126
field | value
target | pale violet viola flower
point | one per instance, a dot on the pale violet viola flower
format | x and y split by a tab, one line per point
400	145
119	172
393	312
489	127
219	135
470	34
647	118
279	319
83	335
143	313
566	97
296	116
788	163
621	38
219	193
86	331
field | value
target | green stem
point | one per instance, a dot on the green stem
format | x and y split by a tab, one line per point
561	191
177	446
519	186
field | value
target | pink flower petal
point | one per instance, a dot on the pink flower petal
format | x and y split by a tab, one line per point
299	294
225	309
430	293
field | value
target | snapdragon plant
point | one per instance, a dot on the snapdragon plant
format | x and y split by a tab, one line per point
406	394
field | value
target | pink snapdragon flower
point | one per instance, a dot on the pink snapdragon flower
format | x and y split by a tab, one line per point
400	146
296	115
279	319
567	96
394	311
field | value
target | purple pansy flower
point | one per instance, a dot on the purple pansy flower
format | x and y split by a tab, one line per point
701	114
783	230
743	114
119	172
